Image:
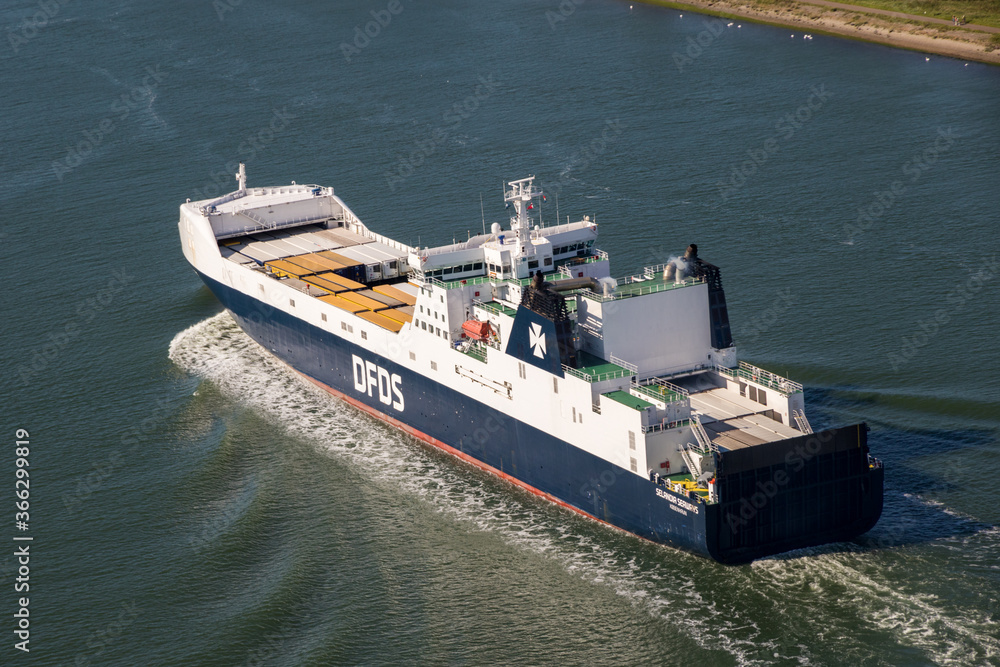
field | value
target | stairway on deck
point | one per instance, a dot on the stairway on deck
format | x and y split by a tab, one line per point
733	421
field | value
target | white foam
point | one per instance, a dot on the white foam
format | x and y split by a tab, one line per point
216	350
674	589
872	592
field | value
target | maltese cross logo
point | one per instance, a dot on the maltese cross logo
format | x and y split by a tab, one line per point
537	340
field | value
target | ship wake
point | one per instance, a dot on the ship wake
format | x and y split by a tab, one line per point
753	614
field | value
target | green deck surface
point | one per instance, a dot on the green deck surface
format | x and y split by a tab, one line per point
628	399
655	284
593	366
498	307
660	392
476	352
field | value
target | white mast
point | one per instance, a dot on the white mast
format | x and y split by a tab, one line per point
241	179
521	193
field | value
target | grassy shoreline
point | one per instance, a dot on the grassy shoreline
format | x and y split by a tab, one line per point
905	33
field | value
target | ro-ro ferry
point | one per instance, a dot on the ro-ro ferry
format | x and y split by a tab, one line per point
517	351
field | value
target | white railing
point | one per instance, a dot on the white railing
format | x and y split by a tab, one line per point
801	421
704	441
599	377
392	243
636	288
264	226
624	364
665	426
759	376
643	386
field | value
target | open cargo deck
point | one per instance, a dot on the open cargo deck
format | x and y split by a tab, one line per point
334	266
556	365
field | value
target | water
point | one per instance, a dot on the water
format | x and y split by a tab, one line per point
194	503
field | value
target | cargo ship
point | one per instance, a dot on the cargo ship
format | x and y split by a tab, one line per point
622	399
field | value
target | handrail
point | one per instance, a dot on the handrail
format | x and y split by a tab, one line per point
600	377
498	310
640	291
624	364
455	284
679	395
265	226
665	426
762	377
474	349
663	383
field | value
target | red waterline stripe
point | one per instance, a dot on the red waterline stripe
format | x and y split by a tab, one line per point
451	450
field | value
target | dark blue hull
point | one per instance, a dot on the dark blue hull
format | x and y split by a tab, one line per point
541	462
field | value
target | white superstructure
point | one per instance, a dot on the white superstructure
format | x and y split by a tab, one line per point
638	381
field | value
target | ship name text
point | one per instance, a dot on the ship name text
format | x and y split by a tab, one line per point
677	503
372	379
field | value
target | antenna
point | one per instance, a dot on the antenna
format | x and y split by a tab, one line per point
483	211
557	209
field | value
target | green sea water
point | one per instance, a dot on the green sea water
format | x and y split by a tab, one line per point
192	502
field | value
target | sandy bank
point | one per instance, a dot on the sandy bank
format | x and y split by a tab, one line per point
856	23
